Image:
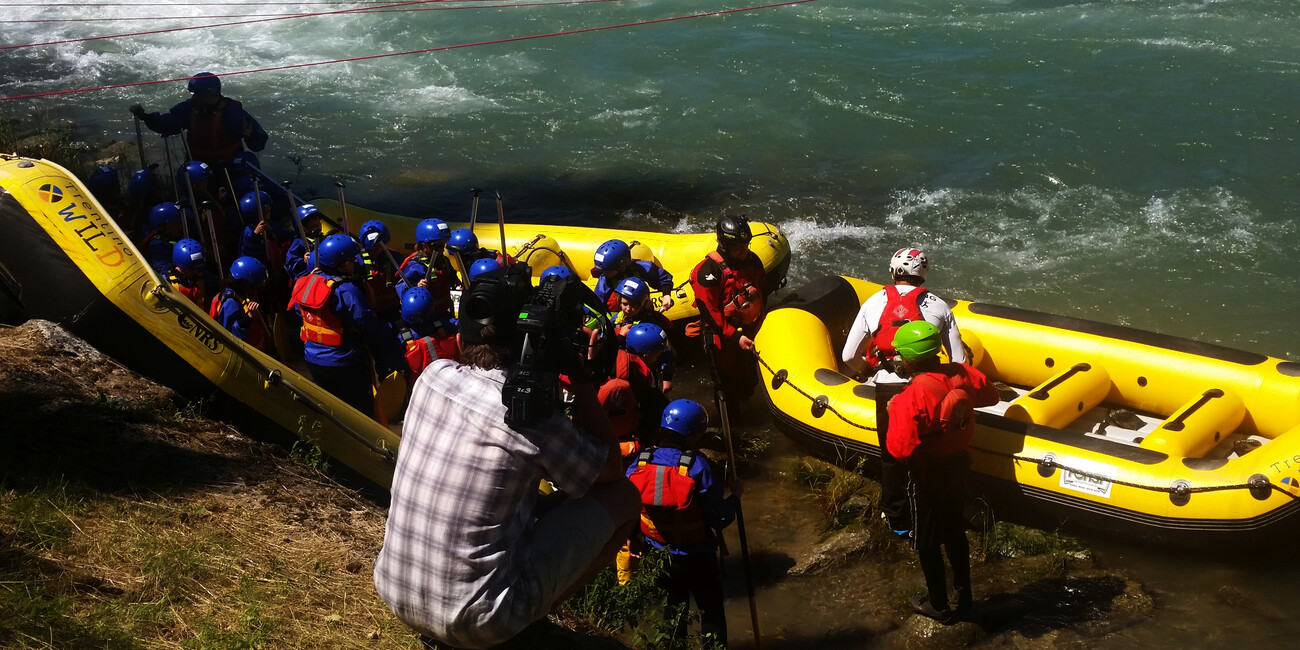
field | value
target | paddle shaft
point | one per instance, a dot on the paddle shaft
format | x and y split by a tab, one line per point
212	232
343	207
720	399
501	221
139	142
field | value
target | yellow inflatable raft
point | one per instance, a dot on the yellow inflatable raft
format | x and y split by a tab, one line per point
1101	425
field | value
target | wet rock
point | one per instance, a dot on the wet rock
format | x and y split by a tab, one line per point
1236	598
835	550
921	632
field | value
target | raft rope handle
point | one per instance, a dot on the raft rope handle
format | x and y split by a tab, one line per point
441	48
275	377
1052	462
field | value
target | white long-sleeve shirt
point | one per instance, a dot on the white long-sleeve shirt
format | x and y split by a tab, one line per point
867	324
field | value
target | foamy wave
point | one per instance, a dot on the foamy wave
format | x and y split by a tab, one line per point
1185	44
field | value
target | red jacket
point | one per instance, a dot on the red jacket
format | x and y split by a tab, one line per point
914	427
731	292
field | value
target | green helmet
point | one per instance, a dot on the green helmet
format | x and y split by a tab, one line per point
917	341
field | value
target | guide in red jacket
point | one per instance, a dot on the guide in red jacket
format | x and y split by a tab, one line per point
931	425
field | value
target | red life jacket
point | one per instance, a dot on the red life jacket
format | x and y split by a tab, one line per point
742	299
256	336
900	309
955	428
209	140
197	292
319	323
420	352
669	514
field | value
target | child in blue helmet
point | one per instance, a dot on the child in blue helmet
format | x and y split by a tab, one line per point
425	334
613	262
164	230
188	273
429	267
341	334
237	309
295	259
649	342
683	511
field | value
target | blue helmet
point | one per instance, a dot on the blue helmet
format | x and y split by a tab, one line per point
198	171
188	254
164	213
613	256
250	270
485	265
685	417
559	270
140	185
103	182
204	82
634	289
373	233
244	159
462	240
645	338
432	231
248	206
308	211
336	249
417	305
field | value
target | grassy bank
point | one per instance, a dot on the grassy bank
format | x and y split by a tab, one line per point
130	522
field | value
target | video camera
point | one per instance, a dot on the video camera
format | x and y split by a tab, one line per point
551	321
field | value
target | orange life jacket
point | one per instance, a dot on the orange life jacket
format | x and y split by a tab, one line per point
742	302
900	309
209	140
319	323
669	514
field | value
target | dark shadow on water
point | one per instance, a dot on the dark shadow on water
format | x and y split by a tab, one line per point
849	638
1047	605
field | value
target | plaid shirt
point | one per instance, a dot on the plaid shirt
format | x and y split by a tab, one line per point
456	563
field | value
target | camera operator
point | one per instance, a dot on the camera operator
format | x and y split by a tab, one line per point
467	560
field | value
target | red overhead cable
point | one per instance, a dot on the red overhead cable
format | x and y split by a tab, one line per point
443	48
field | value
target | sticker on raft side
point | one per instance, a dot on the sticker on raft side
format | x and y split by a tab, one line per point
1096	481
89	225
200	333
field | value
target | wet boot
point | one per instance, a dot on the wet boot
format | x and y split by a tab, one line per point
964	603
625	563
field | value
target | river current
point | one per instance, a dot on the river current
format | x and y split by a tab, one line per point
1129	161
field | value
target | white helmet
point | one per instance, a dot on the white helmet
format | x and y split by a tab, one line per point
909	261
